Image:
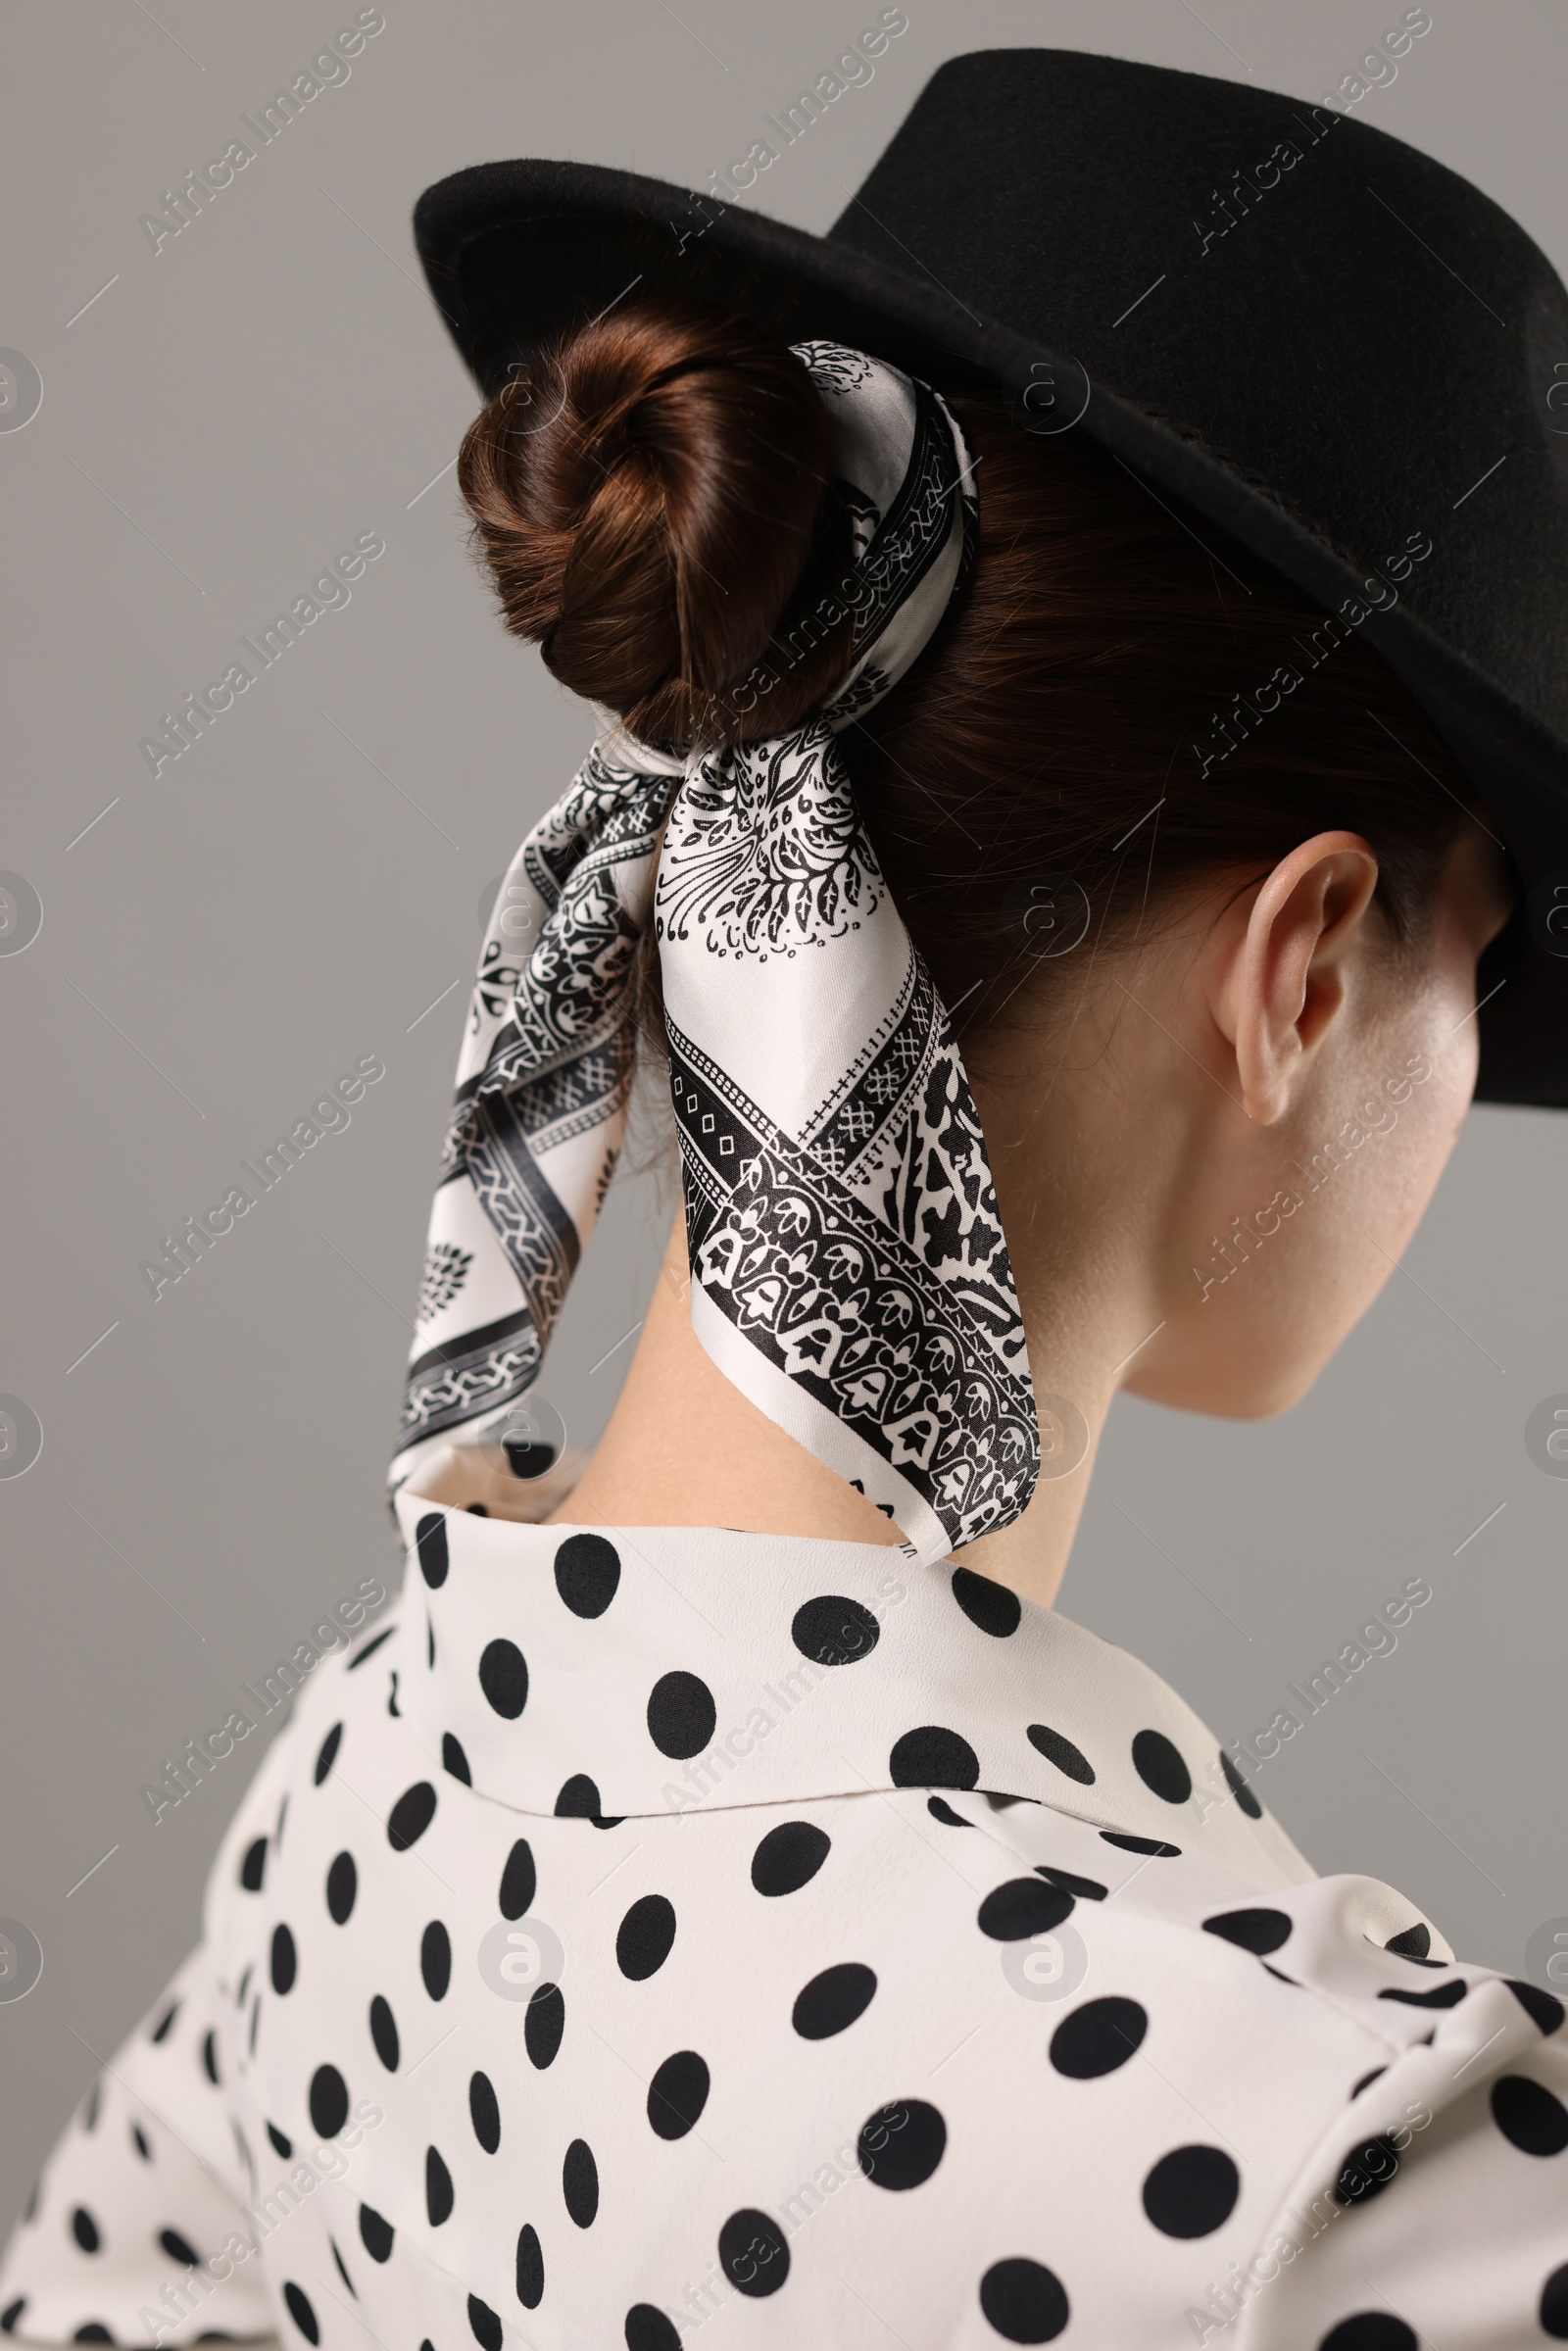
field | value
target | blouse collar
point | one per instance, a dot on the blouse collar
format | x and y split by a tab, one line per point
618	1671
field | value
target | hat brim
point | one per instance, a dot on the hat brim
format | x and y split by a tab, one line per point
516	253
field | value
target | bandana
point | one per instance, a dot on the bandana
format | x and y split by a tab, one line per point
849	1270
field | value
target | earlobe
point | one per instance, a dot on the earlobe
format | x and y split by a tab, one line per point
1287	978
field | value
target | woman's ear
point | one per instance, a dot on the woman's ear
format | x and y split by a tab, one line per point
1283	984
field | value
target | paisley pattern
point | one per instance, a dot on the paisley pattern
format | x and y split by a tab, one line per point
849	1272
771	855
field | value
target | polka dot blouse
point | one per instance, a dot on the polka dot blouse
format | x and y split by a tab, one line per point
657	1936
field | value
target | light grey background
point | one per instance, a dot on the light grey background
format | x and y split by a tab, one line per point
304	883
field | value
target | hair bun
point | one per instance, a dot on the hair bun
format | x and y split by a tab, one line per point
645	496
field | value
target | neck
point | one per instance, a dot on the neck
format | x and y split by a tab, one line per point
685	1448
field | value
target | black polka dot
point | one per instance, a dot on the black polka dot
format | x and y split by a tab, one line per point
834	1630
85	2228
900	2145
530	2269
933	1757
646	1933
1062	1753
1367	2079
370	1648
579	2182
95	2331
285	1960
11	2314
1024	2301
1442	1995
485	2325
210	2056
281	2145
253	1865
160	2030
327	1754
518	1881
1256	1931
300	2311
178	2248
678	2094
587	1574
384	2033
833	2000
1371	2331
139	2141
942	1811
342	1885
330	2101
789	1857
1554	2305
544	2021
1366	2169
648	2329
1160	1768
342	2270
1192	2191
992	1607
1238	1788
504	1677
432	1537
1088	1889
579	1800
1529	2117
1025	1906
682	1714
1415	1942
753	2254
1537	2004
1142	1845
454	1760
375	2233
1097	2038
410	1816
438	2189
436	1959
484	2113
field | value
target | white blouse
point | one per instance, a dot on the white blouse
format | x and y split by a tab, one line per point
659	1936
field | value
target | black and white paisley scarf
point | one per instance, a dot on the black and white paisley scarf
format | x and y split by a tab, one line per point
849	1270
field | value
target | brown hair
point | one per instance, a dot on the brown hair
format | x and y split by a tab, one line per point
646	499
650	499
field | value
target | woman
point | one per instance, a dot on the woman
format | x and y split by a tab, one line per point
726	1894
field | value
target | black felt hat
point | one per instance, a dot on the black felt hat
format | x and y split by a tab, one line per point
1284	320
